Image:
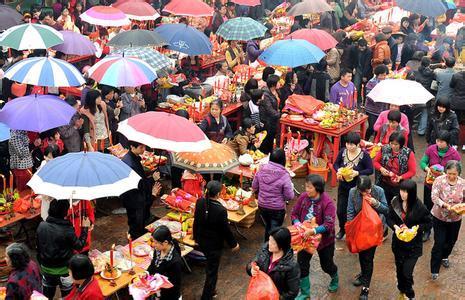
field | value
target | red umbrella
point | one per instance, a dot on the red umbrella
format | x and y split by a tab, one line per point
138	10
165	131
247	2
317	37
193	8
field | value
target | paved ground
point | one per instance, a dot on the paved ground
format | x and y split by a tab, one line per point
233	280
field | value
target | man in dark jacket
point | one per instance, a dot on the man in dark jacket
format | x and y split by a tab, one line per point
56	241
70	134
211	230
362	66
457	103
139	201
424	75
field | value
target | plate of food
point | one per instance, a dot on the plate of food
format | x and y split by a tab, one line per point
142	250
110	273
296	118
230	205
310	121
459	208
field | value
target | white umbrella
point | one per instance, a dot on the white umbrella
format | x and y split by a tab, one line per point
400	92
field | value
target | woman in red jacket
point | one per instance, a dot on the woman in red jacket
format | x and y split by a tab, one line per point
85	286
394	163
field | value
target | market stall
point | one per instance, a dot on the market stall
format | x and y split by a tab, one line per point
328	122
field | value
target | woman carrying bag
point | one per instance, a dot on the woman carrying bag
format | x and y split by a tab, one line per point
408	212
374	196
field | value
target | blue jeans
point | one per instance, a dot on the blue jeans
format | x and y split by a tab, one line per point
272	219
423	121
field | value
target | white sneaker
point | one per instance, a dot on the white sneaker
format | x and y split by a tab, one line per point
119	211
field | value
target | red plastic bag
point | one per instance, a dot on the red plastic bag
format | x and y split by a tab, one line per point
365	230
261	287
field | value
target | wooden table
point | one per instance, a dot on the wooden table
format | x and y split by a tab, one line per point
248	173
122	282
16	218
323	136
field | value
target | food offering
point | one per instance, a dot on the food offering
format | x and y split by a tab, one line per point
347	173
459	208
406	234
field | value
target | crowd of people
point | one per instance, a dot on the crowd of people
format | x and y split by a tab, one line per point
349	70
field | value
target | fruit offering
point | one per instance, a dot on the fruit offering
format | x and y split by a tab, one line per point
434	171
347	172
459	208
257	154
109	272
406	234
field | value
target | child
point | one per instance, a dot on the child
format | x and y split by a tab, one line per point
244	138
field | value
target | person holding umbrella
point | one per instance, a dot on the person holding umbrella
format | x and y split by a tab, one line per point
138	202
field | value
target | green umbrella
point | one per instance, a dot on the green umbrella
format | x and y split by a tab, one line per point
30	36
154	58
241	29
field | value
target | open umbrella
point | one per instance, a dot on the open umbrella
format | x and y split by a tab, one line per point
106	16
140	11
137	38
9	17
30	36
247	2
164	131
219	159
36	113
45	71
317	37
4	132
292	53
429	8
193	8
309	7
185	39
118	71
75	44
84	175
241	29
400	92
154	58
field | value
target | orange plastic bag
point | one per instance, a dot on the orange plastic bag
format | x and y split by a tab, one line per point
365	230
261	287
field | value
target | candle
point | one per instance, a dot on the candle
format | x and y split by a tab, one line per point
298	140
130	245
249	73
111	256
200	103
240	179
355	98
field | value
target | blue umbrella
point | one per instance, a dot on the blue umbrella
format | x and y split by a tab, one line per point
4	132
84	175
36	113
45	71
185	39
292	53
429	8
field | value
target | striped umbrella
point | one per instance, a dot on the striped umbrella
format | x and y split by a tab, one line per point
30	36
106	16
118	71
45	71
154	58
241	29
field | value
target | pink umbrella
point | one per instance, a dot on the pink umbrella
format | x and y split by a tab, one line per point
193	8
140	11
165	131
317	37
107	16
247	2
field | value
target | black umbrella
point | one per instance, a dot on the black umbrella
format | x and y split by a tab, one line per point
9	17
137	38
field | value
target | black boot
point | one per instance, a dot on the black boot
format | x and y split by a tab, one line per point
340	235
364	293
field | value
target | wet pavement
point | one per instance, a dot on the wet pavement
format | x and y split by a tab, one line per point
233	281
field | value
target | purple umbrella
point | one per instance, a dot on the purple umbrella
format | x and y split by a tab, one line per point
36	113
75	44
